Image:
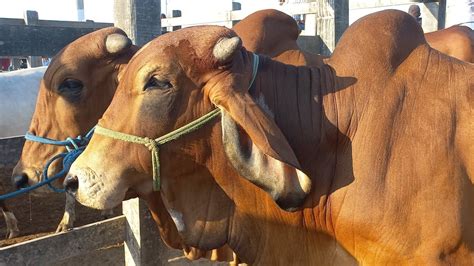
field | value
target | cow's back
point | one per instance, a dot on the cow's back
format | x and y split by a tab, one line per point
18	90
456	41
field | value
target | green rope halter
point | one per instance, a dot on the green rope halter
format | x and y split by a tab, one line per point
153	144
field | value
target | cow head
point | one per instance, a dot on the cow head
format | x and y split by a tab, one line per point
76	89
175	79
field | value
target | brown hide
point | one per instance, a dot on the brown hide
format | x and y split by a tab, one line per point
456	41
384	130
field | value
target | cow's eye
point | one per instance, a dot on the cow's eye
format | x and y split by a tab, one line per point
71	89
154	83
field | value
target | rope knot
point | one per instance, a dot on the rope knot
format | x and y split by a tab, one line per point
150	144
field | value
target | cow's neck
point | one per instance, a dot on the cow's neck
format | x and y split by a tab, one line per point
257	227
306	114
308	106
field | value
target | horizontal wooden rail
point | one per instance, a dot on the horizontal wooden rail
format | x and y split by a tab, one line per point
56	23
61	246
32	36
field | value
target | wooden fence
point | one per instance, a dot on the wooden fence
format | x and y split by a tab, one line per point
235	15
34	37
129	239
52	248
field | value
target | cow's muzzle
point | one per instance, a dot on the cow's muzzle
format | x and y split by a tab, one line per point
71	184
20	181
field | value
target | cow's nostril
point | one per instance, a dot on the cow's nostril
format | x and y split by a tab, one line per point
20	181
71	183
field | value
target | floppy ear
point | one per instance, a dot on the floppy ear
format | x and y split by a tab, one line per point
259	152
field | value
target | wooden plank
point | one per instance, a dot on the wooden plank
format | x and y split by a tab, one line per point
12	21
57	23
25	40
33	37
140	19
65	245
143	245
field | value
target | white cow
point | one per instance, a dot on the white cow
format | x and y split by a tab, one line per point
18	92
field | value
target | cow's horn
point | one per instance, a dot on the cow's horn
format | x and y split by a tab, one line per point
225	48
116	43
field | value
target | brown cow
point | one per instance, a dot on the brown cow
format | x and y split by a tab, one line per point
384	136
78	117
76	89
456	41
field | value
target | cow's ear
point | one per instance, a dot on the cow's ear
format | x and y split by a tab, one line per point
259	151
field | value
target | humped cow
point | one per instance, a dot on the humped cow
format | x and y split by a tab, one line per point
456	41
61	113
370	154
78	115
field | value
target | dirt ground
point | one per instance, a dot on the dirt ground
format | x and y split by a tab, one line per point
40	215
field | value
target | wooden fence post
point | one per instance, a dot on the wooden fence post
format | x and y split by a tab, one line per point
328	22
176	14
143	244
31	19
140	19
442	14
331	22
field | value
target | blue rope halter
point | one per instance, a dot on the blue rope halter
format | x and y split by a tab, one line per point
75	146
